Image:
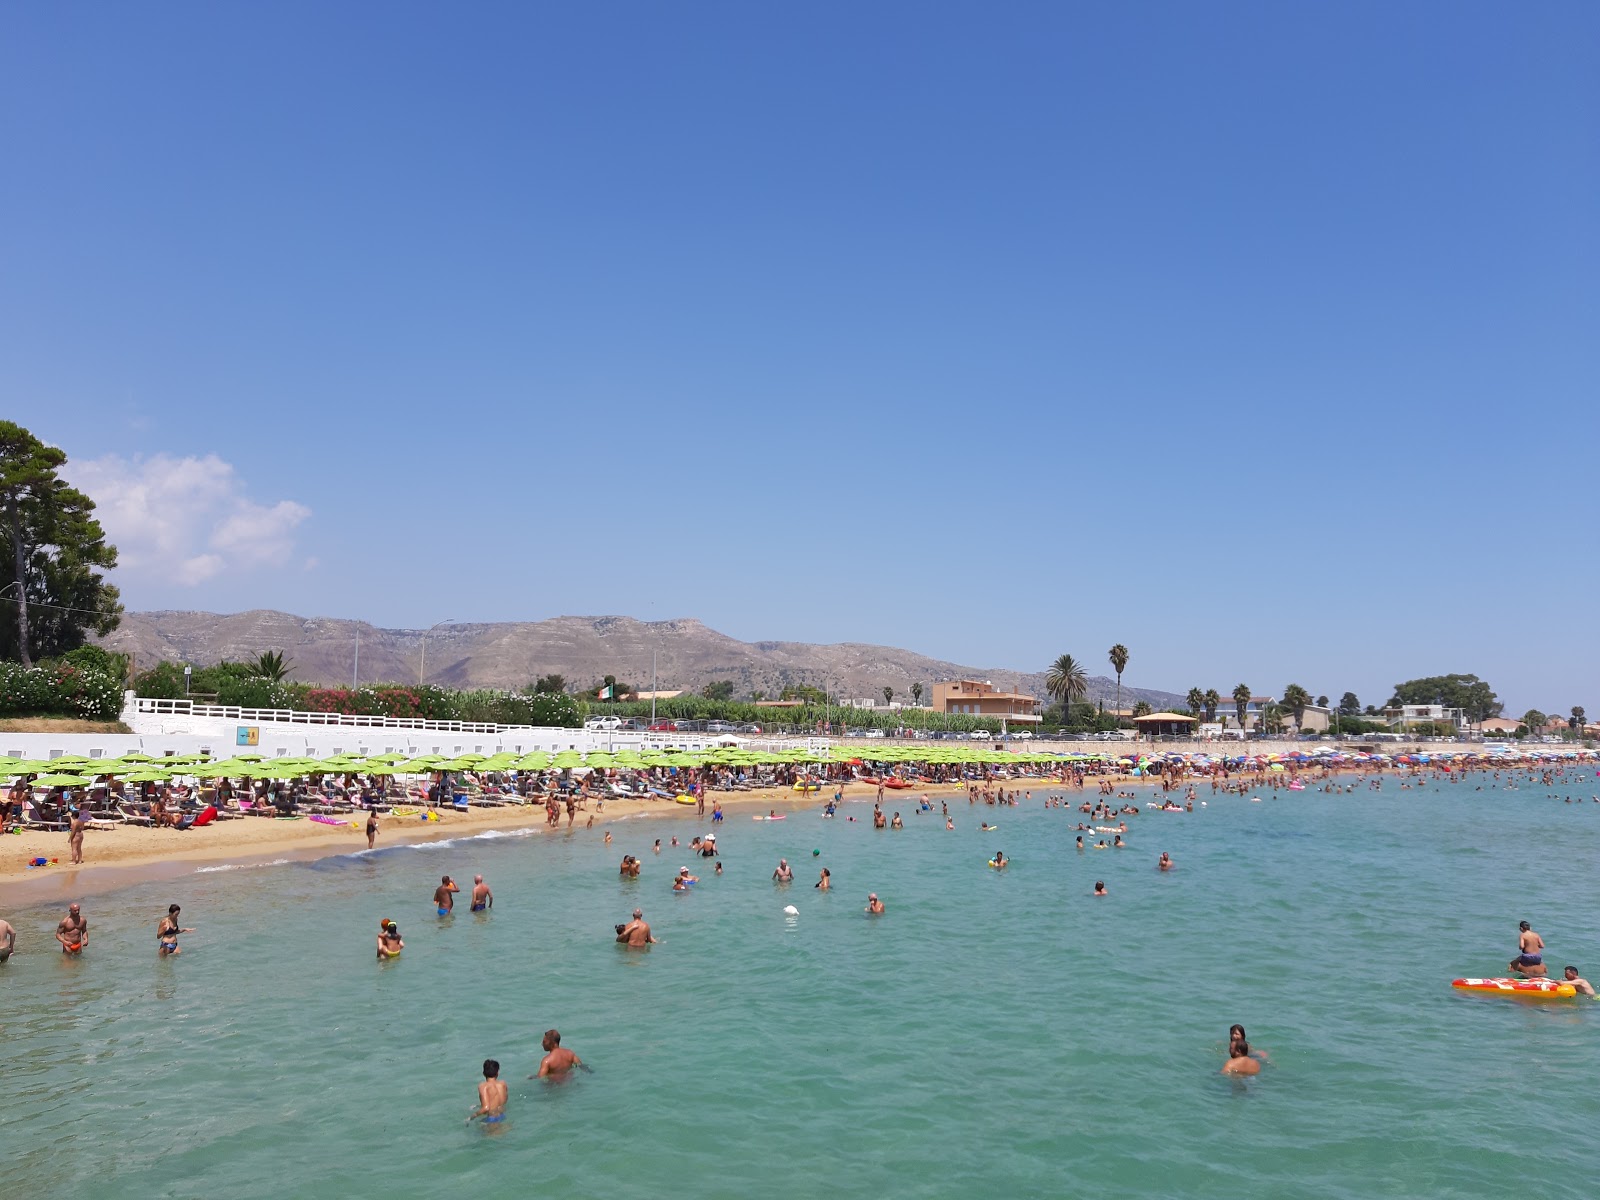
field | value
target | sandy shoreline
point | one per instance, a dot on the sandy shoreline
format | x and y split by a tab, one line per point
117	858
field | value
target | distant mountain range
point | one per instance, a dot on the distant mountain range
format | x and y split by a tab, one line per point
583	650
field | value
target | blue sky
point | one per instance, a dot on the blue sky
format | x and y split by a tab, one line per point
1258	337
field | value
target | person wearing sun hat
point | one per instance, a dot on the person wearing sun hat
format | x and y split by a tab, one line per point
708	848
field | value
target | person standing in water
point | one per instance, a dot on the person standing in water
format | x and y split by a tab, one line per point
783	874
1239	1060
73	932
8	940
167	931
444	895
556	1061
389	942
874	905
824	883
492	1095
372	828
636	932
482	897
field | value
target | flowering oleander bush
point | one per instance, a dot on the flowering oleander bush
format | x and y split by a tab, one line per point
59	690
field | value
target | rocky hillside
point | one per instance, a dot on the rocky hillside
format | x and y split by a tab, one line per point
582	649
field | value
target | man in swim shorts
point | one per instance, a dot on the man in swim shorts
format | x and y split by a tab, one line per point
783	874
492	1095
482	897
1529	961
444	895
1568	975
874	905
556	1061
636	932
73	932
8	940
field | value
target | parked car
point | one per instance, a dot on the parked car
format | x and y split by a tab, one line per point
980	735
664	727
874	733
749	729
603	723
719	726
1023	734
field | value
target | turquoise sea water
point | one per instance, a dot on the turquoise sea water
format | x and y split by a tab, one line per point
1004	1033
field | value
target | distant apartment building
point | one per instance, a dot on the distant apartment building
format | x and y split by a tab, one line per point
1405	717
980	698
1228	712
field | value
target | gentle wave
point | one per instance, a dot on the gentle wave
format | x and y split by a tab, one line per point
277	862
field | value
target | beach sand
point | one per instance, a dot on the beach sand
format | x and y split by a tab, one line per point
129	854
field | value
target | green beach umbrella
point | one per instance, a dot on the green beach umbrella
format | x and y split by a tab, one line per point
60	781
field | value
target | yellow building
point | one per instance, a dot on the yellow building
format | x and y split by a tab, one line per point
979	698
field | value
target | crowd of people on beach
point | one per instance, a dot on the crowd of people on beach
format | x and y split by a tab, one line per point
1110	804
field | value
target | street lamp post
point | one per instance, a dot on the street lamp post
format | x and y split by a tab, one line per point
422	667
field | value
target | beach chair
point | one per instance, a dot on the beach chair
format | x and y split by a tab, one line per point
34	818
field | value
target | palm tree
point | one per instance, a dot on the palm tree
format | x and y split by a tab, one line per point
1272	717
271	665
1212	701
1576	721
1119	661
1141	708
916	694
1066	681
1534	720
1196	700
1241	702
888	695
1295	700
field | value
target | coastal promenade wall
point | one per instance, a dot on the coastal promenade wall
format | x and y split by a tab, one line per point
162	727
222	733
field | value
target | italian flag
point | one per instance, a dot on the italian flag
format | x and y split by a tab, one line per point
603	694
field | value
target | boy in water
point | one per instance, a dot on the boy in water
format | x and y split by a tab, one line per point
492	1095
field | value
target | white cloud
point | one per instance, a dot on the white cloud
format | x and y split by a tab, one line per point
186	519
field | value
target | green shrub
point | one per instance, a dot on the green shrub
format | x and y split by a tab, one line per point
61	690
